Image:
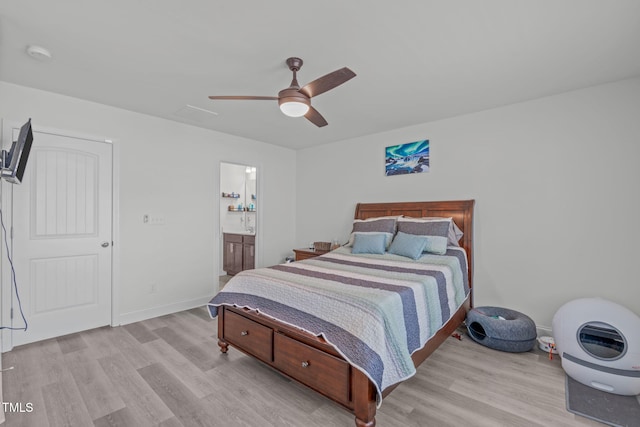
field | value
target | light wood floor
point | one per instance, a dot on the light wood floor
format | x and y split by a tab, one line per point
168	372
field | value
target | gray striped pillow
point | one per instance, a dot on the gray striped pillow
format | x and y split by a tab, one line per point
425	227
386	225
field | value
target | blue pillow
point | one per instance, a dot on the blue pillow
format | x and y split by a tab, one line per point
408	245
385	225
436	245
369	243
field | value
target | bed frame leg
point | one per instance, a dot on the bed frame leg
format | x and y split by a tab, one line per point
364	405
360	423
224	346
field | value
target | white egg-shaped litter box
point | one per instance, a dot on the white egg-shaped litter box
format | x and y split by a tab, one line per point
599	342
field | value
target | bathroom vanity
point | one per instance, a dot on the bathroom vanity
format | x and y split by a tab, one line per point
239	252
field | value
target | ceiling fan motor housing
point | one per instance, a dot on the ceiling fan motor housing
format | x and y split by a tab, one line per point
292	95
293	103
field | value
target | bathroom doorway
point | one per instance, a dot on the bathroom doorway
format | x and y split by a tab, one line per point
239	210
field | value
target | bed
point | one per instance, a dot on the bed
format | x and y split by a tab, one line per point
352	326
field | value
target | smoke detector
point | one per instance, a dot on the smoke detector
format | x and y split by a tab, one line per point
39	53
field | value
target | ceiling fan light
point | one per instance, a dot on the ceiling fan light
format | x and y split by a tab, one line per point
294	108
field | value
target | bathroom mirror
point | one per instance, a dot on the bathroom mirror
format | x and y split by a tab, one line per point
239	202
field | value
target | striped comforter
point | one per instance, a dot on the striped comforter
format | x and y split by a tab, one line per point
376	310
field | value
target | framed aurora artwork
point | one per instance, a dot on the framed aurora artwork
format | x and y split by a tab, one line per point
412	157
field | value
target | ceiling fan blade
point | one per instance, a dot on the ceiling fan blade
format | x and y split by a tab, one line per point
328	82
258	98
316	118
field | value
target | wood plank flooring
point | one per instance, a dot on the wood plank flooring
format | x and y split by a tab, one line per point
169	372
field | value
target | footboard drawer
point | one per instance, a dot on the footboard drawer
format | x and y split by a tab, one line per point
248	335
318	370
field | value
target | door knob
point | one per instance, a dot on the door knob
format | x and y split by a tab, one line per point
105	244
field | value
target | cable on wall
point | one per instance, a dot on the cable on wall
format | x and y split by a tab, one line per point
13	279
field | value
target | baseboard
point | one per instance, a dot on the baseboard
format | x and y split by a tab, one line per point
544	331
149	313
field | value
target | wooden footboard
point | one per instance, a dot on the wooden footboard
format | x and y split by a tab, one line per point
310	360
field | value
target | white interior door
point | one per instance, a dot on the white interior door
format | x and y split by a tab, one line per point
62	237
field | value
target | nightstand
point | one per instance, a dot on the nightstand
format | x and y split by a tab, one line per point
307	253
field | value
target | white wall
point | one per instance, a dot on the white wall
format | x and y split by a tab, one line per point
170	169
556	187
555	182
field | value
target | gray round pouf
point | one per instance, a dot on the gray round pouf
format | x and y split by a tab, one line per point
501	329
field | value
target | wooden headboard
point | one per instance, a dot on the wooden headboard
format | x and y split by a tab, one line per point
460	210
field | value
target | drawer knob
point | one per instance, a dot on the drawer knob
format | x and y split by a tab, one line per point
305	364
244	333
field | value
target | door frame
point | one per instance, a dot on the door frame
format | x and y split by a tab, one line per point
6	201
259	228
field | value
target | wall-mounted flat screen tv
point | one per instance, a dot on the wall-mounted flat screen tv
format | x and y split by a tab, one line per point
14	161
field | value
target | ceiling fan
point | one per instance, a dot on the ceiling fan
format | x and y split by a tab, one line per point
295	101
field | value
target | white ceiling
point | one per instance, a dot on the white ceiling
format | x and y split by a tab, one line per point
416	61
